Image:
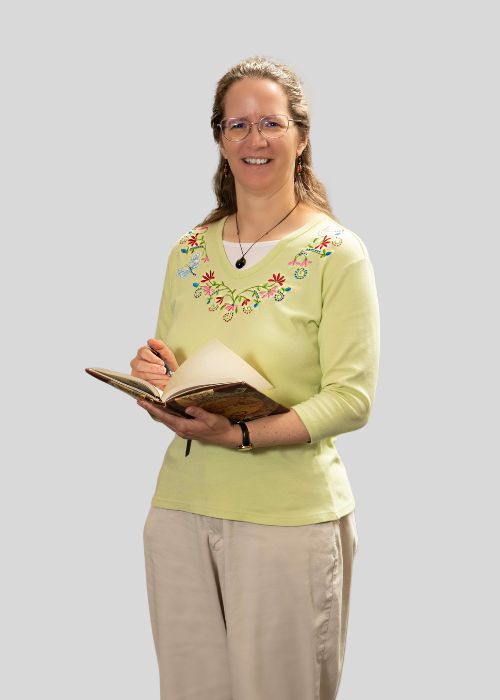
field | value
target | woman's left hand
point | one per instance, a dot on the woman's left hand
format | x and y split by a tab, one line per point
203	426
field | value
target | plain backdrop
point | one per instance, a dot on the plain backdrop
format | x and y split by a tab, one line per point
106	158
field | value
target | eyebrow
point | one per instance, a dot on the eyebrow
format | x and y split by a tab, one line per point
271	114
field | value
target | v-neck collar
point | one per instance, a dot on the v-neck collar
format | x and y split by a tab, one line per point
255	268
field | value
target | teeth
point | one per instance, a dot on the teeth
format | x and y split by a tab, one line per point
256	161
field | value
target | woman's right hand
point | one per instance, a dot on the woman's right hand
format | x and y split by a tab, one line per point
148	366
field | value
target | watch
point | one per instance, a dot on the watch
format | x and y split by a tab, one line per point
246	444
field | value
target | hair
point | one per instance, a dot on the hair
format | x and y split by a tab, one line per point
307	187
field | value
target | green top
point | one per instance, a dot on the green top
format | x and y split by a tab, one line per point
305	316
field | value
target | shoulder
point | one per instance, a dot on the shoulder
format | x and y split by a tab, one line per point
335	245
349	245
189	241
192	237
188	251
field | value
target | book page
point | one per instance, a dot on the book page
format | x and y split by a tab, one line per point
214	363
111	376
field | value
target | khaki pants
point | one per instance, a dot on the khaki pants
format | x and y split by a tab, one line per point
243	611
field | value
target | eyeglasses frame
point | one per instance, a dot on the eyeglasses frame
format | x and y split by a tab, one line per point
298	121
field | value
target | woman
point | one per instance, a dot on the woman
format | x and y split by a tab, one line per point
249	551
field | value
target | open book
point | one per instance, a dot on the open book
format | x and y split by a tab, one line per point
215	378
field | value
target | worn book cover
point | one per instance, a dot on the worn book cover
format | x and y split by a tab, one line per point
215	378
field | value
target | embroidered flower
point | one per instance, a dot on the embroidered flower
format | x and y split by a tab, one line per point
324	243
195	240
301	263
277	278
266	293
208	276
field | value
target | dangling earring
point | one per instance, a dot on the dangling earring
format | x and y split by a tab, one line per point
224	173
299	166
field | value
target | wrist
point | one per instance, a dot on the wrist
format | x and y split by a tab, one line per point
233	436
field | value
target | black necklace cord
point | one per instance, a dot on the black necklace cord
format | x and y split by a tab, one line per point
241	262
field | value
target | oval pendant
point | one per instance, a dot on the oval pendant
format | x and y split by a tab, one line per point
240	263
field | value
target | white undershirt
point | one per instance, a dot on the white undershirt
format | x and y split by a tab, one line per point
256	252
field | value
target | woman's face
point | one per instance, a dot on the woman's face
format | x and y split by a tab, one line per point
255	98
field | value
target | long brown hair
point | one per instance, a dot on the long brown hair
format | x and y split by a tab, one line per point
308	188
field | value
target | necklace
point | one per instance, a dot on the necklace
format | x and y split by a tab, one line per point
241	262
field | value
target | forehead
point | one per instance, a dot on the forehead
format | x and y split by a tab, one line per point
255	98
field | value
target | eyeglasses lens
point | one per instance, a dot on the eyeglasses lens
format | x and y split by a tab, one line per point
271	127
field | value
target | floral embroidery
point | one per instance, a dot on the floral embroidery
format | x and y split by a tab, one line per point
318	245
195	242
220	297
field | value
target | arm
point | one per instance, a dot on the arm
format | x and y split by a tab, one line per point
349	349
348	340
281	429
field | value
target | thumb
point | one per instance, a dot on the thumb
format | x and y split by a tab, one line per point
196	411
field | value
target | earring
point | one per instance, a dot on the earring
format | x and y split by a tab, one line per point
299	166
224	172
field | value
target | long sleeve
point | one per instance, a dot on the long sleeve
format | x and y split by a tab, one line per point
166	302
349	349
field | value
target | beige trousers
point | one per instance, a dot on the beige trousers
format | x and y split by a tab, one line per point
243	611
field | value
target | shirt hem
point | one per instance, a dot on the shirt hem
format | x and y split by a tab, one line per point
258	518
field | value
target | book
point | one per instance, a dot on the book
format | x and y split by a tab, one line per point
214	377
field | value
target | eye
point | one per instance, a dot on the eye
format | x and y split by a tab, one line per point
237	124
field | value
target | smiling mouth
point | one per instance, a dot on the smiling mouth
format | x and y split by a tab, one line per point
256	162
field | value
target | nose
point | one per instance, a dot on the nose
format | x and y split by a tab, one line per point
255	138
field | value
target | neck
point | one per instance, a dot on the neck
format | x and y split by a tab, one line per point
258	214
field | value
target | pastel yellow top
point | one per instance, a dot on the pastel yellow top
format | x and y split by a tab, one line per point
306	316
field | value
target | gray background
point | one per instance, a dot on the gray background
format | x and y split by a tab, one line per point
98	180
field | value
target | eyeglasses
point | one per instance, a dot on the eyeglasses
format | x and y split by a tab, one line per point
271	127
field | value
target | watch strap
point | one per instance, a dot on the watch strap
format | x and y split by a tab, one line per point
246	444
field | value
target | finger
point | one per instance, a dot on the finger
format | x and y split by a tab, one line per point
145	355
146	367
182	426
165	416
210	419
164	351
146	363
156	381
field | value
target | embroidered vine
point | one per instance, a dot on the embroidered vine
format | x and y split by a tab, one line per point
301	259
223	298
195	240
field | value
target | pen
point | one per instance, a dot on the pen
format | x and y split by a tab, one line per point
170	373
155	352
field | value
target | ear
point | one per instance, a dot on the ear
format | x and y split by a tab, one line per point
301	146
222	152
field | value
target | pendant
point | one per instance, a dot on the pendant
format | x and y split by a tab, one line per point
240	263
